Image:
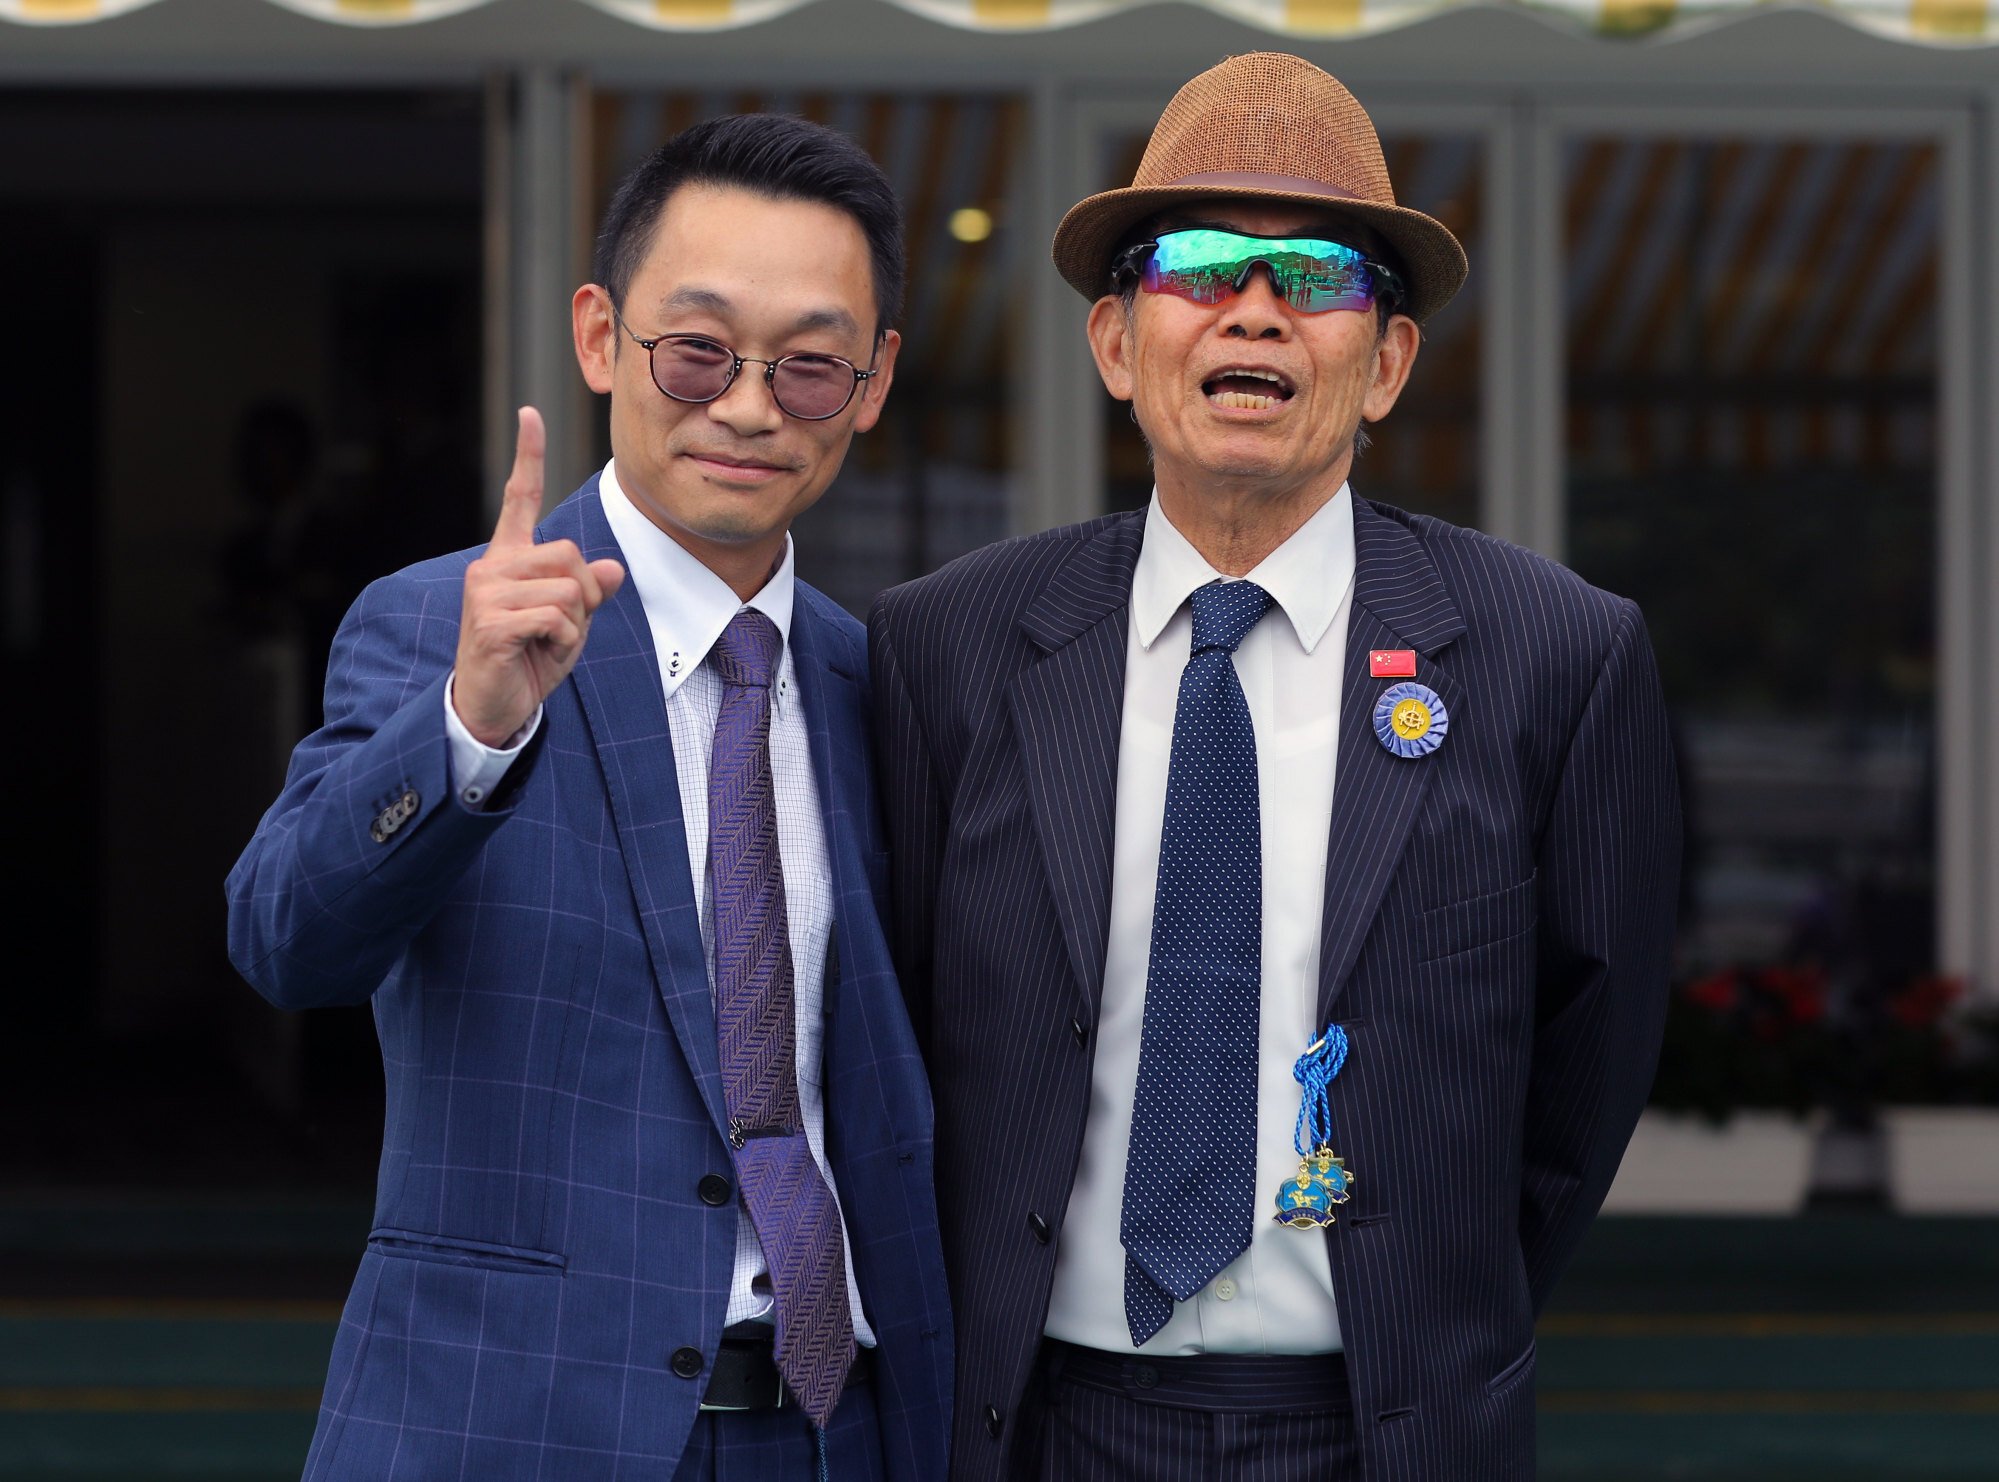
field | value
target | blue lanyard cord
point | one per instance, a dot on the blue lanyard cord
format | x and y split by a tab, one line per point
1315	1071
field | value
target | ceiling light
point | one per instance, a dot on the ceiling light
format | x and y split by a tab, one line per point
970	224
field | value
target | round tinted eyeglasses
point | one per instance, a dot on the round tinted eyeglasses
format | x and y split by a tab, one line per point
695	368
1206	265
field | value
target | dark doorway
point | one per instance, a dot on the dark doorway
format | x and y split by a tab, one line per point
242	381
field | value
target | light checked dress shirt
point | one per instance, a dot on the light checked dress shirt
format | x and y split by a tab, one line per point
687	606
1277	1297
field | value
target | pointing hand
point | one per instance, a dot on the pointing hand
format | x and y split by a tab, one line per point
527	607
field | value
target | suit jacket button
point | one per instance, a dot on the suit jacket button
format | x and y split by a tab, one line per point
713	1189
378	832
1081	1030
993	1421
1145	1377
1038	1225
687	1362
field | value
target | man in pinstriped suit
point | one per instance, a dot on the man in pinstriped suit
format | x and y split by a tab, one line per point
592	823
1181	800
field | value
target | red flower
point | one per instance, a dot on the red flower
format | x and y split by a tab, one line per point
1718	993
1924	1001
1801	991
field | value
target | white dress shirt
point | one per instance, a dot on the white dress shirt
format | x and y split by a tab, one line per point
687	606
1277	1297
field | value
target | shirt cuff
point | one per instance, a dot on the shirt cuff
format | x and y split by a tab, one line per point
476	768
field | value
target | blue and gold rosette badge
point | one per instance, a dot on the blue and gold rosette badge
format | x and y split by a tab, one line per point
1306	1201
1410	719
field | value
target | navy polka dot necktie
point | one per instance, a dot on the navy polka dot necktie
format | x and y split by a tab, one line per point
1190	1178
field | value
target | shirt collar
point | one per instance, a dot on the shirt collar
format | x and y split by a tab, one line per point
686	605
1308	575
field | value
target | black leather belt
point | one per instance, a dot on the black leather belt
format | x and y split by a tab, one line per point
745	1375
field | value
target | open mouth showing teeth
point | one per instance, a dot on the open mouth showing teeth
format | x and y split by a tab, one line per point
1249	390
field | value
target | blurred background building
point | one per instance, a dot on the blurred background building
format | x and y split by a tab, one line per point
278	271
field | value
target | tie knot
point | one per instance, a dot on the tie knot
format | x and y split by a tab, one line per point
1224	612
746	653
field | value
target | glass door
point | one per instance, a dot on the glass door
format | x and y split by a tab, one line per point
1752	349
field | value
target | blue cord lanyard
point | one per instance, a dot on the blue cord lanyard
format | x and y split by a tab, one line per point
1322	1180
1315	1071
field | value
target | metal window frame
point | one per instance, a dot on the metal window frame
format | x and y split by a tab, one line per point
1970	854
1967	718
537	244
534	244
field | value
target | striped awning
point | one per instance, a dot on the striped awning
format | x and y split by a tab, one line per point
1942	22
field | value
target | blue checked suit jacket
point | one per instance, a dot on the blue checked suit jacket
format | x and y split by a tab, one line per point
541	1251
1497	926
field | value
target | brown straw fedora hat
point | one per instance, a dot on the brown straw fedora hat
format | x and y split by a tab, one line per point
1265	126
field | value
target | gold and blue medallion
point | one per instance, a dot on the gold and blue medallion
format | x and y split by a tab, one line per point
1308	1199
1410	719
1323	1180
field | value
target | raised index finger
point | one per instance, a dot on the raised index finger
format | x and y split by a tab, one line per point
520	507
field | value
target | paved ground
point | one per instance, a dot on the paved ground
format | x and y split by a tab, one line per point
155	1341
1829	1348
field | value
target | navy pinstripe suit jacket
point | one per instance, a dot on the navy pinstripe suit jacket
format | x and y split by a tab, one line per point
542	1249
1497	925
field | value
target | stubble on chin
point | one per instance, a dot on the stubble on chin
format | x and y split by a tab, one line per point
729	526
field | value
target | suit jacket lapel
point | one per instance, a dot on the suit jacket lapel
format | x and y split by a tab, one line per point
1067	712
826	691
617	682
1399	601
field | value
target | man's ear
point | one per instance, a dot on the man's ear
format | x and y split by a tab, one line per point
874	390
595	327
1394	358
1110	332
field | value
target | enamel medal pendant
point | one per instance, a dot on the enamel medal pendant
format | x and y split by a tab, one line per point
1306	1202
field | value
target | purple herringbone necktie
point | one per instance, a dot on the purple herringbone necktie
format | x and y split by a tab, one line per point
792	1210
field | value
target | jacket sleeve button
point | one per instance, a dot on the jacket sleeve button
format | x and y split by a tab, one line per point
713	1189
993	1421
686	1362
1038	1225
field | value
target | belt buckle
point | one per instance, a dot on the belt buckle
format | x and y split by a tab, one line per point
748	1369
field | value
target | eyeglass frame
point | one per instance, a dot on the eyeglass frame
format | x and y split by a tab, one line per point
770	369
1131	263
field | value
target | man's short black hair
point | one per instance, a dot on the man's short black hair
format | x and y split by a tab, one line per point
773	155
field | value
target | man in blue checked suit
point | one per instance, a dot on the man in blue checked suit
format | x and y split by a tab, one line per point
591	821
1284	883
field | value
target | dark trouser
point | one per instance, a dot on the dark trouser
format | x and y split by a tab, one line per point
1205	1418
779	1446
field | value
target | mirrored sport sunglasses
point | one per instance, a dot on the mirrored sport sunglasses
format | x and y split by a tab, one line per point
694	368
1312	274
